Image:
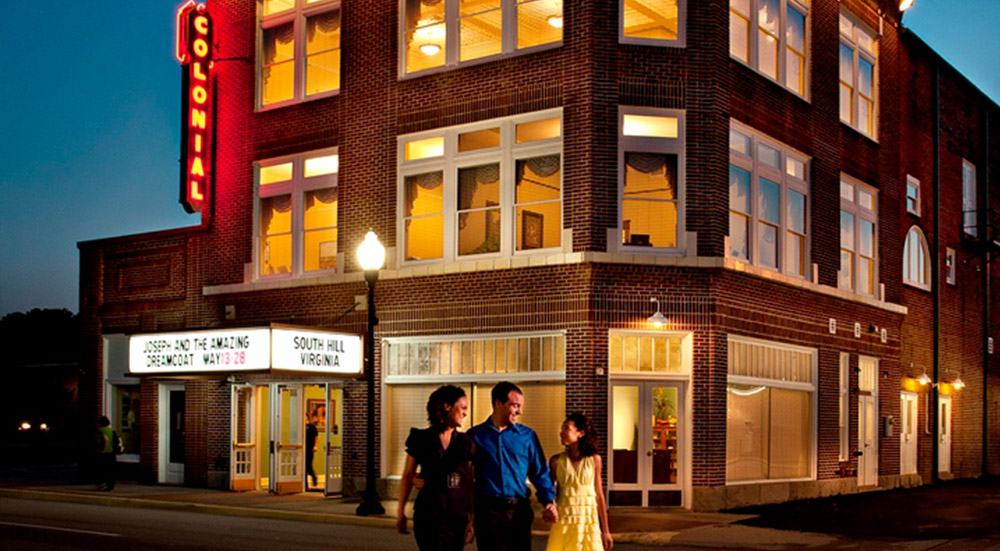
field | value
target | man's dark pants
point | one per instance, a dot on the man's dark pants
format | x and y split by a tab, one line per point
503	524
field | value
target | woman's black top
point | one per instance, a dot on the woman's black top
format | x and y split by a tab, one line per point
445	472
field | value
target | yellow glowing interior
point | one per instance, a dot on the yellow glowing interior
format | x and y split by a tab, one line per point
318	166
480	29
650	126
424	149
538	130
424	204
323	52
479	139
656	19
275	173
538	22
538	216
275	6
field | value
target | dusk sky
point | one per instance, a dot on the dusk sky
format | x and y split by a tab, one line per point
90	119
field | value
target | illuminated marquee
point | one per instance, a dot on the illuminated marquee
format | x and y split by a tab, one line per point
194	50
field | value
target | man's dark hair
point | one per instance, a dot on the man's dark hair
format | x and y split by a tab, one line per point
103	421
437	414
501	391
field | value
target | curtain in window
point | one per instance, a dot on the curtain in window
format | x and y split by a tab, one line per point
542	166
427	181
326	23
328	195
414	9
271	205
274	38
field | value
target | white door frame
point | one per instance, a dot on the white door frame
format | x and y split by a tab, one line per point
908	432
169	473
644	483
334	455
868	440
944	442
243	458
290	455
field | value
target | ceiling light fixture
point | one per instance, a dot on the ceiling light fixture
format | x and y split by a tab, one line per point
430	49
555	20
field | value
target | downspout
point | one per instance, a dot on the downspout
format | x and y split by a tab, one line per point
935	267
988	237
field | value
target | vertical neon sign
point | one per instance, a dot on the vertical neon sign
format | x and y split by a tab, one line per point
194	51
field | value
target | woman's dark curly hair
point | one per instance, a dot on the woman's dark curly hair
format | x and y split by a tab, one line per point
437	414
588	442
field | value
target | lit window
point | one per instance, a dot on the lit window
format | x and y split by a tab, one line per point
297	215
858	237
916	260
912	195
299	51
844	407
440	33
858	86
769	415
462	187
655	22
969	202
770	36
951	266
768	203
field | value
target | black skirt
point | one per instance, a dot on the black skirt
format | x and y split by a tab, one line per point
439	530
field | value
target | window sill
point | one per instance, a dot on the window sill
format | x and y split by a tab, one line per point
917	286
849	126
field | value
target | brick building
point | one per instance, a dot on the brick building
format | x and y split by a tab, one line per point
538	171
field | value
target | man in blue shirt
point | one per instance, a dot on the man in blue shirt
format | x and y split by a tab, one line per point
507	455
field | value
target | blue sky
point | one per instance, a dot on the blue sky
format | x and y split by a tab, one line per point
90	119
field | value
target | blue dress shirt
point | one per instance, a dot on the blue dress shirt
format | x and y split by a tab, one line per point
506	459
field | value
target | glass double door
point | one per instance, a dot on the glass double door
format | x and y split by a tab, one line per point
647	463
287	438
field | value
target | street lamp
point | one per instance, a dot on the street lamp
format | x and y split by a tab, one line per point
371	256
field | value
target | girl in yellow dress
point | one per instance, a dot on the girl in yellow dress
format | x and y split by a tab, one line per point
583	514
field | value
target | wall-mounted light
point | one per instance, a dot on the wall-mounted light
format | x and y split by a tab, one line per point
905	5
657	320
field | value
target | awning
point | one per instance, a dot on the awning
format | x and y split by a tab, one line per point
273	348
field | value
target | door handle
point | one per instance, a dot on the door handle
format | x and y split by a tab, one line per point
649	454
858	453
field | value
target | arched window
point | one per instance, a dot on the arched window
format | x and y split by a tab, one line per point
916	260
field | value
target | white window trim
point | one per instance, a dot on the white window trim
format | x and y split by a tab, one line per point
951	266
970	215
508	40
914	183
296	187
860	213
674	146
118	341
687	355
298	14
812	388
858	53
922	249
752	53
507	154
681	41
786	182
844	406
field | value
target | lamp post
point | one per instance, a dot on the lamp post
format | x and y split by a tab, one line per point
371	256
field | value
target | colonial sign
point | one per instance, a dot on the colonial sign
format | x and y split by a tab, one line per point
194	51
251	349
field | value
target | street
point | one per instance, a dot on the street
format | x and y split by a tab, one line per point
49	526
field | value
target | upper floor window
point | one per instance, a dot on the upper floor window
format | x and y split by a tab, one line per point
858	84
651	176
297	214
912	195
653	22
951	266
916	260
969	219
768	202
299	51
483	190
858	237
439	33
770	36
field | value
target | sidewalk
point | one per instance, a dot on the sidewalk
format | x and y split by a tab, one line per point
925	516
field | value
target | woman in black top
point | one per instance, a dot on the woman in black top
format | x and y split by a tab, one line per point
442	514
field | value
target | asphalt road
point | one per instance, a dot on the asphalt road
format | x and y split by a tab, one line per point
52	526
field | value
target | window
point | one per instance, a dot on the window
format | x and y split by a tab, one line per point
770	414
651	176
858	80
439	33
122	397
768	202
770	36
844	402
299	51
653	22
951	266
912	195
637	352
536	362
297	215
916	255
489	189
970	220
858	237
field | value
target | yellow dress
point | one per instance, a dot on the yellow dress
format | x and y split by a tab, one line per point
579	527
